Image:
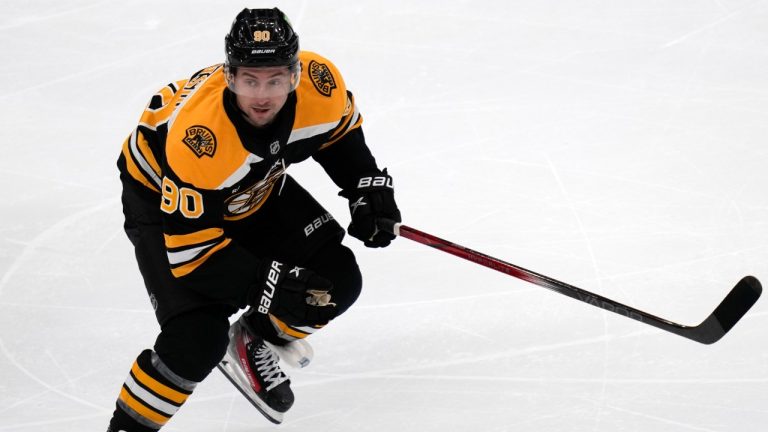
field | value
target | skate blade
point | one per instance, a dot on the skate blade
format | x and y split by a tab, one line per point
244	387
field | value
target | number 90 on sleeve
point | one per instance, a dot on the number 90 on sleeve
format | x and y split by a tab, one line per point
187	201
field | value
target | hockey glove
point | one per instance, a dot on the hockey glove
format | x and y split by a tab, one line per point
296	295
373	197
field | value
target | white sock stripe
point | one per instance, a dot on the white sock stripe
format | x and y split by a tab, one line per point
307	330
149	398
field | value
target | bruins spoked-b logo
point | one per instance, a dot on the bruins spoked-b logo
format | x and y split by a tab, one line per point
201	140
322	78
243	203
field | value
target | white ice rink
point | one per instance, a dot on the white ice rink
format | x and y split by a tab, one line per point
620	146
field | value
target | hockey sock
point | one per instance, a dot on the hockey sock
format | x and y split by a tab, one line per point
289	333
274	330
151	394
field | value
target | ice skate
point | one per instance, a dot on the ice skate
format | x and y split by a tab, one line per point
297	354
253	368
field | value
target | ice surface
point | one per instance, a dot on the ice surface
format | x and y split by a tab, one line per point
617	146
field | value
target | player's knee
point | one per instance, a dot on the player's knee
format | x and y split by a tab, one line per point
337	263
348	288
192	343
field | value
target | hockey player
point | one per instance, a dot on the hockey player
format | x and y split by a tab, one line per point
218	225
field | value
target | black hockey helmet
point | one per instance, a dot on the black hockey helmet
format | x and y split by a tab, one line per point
261	37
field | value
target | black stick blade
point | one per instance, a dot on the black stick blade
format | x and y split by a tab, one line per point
728	313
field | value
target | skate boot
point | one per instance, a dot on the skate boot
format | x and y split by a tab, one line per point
253	368
297	354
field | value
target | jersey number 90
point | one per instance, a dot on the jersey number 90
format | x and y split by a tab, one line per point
188	201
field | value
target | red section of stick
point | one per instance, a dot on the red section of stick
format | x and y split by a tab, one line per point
475	256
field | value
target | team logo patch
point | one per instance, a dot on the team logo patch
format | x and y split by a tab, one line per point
201	140
322	78
274	147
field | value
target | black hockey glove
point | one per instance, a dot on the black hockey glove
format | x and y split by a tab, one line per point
373	197
296	295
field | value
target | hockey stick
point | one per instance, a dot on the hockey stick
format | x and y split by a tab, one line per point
714	327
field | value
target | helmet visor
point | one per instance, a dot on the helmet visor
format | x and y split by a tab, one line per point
263	82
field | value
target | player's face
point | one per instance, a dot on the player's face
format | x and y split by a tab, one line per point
262	91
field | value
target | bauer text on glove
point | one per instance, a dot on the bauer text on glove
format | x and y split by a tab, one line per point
372	198
296	295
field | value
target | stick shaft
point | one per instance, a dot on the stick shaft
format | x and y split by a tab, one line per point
733	307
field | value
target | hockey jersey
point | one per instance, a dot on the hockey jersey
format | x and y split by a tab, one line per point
205	165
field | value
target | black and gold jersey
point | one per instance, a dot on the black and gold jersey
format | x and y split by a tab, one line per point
207	167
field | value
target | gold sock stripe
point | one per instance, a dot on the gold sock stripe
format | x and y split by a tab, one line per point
152	393
150	399
136	416
157	387
284	329
139	408
308	329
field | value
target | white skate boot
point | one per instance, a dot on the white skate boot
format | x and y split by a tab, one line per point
297	354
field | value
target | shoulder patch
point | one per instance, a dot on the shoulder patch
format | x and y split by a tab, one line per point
322	78
201	140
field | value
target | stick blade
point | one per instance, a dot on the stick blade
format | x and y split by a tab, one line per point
735	305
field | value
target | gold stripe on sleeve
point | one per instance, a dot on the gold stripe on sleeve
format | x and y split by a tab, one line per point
189	267
134	170
191	239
